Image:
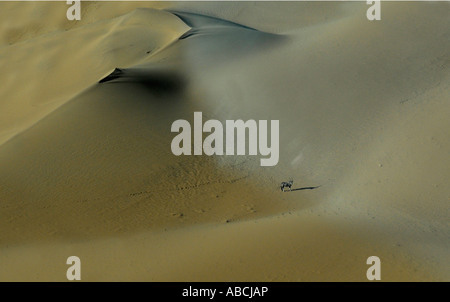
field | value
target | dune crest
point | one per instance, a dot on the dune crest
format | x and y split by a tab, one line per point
81	57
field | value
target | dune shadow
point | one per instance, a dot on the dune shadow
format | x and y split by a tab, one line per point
159	82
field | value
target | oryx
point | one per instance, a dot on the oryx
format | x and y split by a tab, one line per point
288	184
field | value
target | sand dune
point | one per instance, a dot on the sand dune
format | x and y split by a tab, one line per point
83	55
86	167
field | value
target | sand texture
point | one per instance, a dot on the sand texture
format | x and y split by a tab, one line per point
86	168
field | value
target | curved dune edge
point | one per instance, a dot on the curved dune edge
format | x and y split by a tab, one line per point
35	86
94	177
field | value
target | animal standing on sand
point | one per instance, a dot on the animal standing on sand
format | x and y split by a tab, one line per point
288	184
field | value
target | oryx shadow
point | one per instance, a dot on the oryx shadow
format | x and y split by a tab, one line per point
304	188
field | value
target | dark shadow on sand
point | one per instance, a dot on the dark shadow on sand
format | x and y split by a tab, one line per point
304	188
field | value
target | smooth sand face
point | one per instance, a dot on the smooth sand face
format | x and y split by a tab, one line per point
86	167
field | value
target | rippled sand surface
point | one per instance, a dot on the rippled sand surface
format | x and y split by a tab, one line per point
86	169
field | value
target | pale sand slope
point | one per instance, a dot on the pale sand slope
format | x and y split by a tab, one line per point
363	110
44	71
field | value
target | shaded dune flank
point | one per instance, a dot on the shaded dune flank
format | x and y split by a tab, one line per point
157	82
212	41
86	166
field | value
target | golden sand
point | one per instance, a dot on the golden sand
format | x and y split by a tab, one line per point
86	168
